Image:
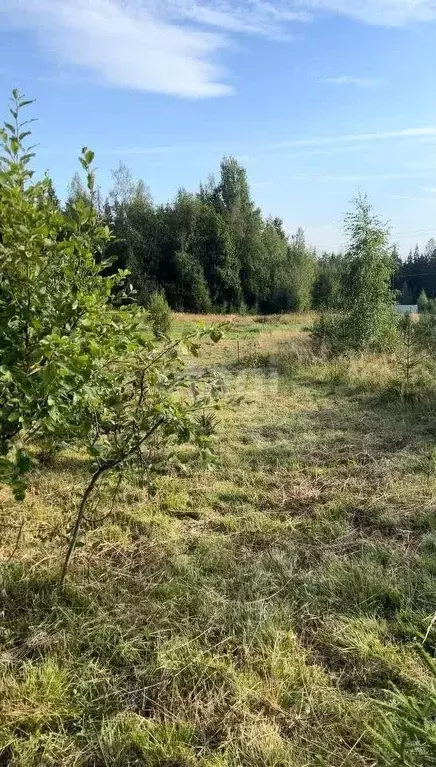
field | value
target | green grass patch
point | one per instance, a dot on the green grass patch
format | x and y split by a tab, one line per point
250	615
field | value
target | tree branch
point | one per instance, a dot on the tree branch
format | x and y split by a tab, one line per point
104	467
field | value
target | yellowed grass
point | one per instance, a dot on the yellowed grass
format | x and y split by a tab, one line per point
243	320
247	613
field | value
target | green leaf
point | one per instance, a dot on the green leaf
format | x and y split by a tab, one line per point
5	374
23	461
89	156
49	373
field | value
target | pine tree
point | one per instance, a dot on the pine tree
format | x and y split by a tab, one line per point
405	297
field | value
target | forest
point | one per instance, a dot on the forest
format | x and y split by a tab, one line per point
213	250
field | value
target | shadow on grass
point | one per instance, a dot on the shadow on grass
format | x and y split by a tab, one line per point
25	595
342	432
381	414
63	463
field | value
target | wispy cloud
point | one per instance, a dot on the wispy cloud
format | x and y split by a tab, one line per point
352	138
307	147
263	15
355	177
360	82
258	17
378	12
412	198
166	46
175	46
125	44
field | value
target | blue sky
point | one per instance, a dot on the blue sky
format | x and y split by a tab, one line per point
317	98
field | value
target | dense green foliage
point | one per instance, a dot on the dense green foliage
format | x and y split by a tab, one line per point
55	305
211	250
160	314
366	298
414	279
417	273
364	303
77	361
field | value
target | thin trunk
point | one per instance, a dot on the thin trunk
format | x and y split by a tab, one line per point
80	514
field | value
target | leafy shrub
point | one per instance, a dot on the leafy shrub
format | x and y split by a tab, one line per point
160	315
76	361
56	316
328	334
422	302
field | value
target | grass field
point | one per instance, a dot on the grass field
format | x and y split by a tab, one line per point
251	613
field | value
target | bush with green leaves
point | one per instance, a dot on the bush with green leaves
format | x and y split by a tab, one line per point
327	334
160	314
55	306
422	302
76	361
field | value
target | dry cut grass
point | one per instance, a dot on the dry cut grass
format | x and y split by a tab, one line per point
249	615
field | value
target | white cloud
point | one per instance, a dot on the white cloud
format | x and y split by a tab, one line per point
360	82
378	12
263	14
174	46
247	16
352	138
412	198
125	45
166	46
356	177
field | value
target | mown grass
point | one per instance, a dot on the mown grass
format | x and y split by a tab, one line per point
248	614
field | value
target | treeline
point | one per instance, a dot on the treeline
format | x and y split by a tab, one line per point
417	275
209	250
413	280
213	250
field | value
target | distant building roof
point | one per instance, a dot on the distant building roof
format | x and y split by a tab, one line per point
406	308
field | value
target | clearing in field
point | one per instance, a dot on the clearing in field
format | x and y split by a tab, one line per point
250	613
